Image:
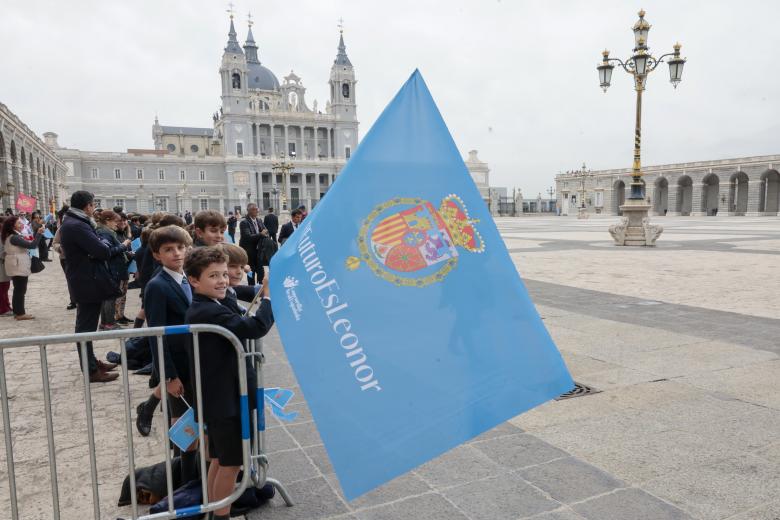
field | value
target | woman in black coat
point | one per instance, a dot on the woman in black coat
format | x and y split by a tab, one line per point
108	222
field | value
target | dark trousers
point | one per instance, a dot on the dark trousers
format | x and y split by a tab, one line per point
5	303
20	291
87	319
43	250
250	278
62	264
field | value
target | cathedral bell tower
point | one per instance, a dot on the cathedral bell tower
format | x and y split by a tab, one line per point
343	103
342	84
233	73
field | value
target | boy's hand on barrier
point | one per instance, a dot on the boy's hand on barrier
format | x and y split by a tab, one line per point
174	387
266	290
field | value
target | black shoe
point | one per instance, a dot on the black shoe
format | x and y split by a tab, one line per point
71	306
143	420
124	320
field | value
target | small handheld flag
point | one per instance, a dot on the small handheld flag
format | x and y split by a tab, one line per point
184	431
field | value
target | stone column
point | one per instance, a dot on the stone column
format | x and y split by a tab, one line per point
672	201
327	154
723	198
316	152
317	186
697	199
754	198
286	141
5	179
16	180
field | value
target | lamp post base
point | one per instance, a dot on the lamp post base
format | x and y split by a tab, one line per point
634	228
582	213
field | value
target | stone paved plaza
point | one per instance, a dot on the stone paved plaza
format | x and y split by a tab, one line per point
680	341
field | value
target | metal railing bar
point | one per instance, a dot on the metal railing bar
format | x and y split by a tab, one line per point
199	407
129	430
55	498
9	447
90	430
166	416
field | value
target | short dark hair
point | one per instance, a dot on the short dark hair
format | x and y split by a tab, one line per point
200	258
171	220
166	235
209	217
296	212
118	209
236	255
81	199
270	210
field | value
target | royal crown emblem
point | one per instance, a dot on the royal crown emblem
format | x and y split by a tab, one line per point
408	242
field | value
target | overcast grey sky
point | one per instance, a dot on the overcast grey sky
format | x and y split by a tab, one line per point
514	79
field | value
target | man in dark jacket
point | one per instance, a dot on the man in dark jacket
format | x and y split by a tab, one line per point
252	229
288	229
85	251
271	223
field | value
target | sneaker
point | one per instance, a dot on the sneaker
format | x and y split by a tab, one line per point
21	317
124	320
71	306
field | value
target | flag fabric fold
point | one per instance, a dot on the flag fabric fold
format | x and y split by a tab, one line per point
399	307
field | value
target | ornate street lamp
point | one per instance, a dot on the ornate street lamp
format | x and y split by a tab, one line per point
284	168
582	174
639	65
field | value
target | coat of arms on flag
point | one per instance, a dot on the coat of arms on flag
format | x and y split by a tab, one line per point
409	242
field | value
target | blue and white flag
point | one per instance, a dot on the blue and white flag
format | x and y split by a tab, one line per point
401	312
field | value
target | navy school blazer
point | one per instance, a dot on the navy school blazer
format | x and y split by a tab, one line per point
218	363
166	304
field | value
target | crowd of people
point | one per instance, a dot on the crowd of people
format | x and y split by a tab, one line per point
187	272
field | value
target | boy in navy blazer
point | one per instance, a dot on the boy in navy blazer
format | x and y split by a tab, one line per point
207	270
167	296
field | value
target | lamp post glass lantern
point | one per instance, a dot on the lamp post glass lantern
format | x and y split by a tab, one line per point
284	168
639	66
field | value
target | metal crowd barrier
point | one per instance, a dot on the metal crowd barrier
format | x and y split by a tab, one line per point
255	462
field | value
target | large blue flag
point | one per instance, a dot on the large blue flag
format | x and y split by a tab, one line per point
400	310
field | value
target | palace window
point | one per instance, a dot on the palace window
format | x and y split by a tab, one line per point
204	204
202	175
345	90
194	148
95	173
162	203
182	175
119	202
240	149
236	80
117	173
171	148
161	174
347	151
97	203
139	174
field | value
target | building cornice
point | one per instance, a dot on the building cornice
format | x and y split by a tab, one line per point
739	162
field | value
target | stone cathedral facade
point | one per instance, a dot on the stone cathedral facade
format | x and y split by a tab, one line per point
260	122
